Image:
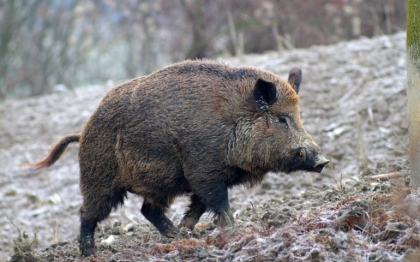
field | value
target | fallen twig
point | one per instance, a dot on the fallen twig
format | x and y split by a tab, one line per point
385	177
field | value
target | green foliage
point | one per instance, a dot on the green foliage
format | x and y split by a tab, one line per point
413	28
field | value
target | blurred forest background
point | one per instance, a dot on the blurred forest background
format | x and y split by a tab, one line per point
52	44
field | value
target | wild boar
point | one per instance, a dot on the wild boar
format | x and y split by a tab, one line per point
195	127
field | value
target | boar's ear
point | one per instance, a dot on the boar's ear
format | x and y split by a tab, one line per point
295	77
265	94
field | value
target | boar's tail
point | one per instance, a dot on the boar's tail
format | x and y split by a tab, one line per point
56	151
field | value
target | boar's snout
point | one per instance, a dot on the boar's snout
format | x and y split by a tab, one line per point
312	160
320	162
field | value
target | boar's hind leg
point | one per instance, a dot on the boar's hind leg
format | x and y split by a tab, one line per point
90	215
155	214
86	241
98	201
191	217
97	204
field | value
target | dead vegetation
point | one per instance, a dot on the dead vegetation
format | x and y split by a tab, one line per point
360	225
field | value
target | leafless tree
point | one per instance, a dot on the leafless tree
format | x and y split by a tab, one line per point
48	42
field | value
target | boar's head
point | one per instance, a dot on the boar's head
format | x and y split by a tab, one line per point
272	137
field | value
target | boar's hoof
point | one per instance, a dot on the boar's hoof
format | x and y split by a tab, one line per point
224	219
87	247
170	231
188	222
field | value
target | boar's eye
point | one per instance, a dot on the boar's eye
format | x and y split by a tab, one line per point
283	121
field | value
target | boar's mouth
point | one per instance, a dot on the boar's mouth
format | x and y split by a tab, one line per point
306	160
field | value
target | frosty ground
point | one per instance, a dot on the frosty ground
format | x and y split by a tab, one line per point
353	102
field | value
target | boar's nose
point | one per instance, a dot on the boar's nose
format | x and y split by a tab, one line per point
320	162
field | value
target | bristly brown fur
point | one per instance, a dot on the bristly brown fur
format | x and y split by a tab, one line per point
56	151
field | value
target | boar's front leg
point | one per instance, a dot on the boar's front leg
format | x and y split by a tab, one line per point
212	191
218	202
155	214
223	216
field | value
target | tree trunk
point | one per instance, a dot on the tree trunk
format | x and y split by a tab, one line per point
6	34
195	17
413	88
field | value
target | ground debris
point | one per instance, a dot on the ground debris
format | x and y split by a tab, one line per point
23	249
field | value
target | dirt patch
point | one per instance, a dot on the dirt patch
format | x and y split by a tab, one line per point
353	102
